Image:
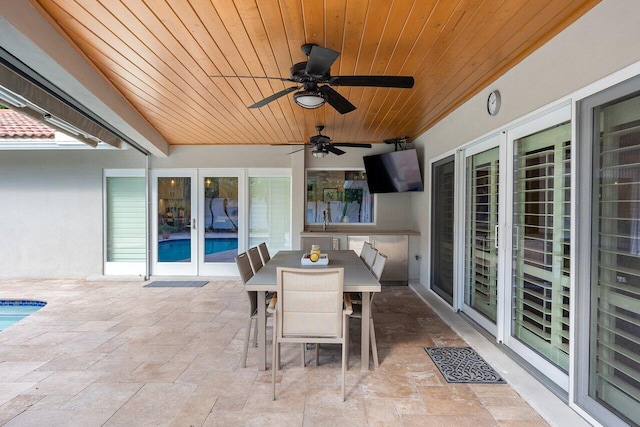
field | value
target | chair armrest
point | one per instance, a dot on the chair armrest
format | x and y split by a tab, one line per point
348	308
272	304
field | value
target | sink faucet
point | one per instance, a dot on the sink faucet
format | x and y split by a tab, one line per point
325	221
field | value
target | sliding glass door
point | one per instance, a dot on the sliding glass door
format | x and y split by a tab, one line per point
516	240
539	289
482	185
442	225
608	376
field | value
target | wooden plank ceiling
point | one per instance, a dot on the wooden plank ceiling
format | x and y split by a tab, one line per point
160	55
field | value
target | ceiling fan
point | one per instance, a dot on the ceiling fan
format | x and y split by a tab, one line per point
314	81
324	146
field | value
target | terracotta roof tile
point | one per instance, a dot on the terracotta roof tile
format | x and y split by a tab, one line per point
16	125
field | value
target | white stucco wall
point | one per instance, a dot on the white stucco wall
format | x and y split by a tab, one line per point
51	211
602	42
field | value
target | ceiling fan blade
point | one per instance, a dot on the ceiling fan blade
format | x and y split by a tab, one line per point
282	79
337	101
405	82
334	150
299	149
350	144
320	60
274	97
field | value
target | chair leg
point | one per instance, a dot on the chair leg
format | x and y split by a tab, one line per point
374	346
317	354
246	342
302	354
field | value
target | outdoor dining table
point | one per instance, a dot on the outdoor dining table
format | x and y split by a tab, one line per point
357	278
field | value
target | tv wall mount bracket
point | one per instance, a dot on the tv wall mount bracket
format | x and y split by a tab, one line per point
399	143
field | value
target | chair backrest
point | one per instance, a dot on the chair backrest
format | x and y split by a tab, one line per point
310	302
246	273
264	252
371	257
378	265
366	249
256	261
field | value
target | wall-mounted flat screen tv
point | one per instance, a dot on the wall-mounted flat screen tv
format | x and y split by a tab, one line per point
393	172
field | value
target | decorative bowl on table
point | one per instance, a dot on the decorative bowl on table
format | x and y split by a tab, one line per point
321	259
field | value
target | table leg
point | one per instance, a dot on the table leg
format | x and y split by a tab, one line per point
364	343
262	331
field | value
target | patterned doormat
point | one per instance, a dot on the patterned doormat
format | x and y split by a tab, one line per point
463	365
176	284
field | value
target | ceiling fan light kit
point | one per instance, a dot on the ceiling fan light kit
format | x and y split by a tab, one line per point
309	99
319	153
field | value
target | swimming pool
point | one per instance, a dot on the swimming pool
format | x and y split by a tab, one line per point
12	311
180	249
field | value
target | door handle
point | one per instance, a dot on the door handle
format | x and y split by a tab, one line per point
495	235
194	223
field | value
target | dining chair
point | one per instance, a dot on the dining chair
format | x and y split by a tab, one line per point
264	252
370	257
256	261
311	308
376	269
246	273
366	248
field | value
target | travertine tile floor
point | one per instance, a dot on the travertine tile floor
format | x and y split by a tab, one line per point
118	354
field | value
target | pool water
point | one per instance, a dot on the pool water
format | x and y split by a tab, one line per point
180	249
12	311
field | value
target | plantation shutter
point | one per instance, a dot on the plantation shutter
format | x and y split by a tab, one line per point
615	300
125	219
542	243
270	212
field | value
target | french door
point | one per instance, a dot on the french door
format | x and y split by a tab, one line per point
516	271
198	221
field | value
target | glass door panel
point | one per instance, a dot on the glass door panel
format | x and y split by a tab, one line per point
481	226
442	224
614	329
173	235
541	243
221	220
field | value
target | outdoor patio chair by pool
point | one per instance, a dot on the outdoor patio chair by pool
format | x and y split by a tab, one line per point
246	273
264	252
311	308
256	261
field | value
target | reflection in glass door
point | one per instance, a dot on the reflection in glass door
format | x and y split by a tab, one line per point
541	243
481	232
174	238
221	218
